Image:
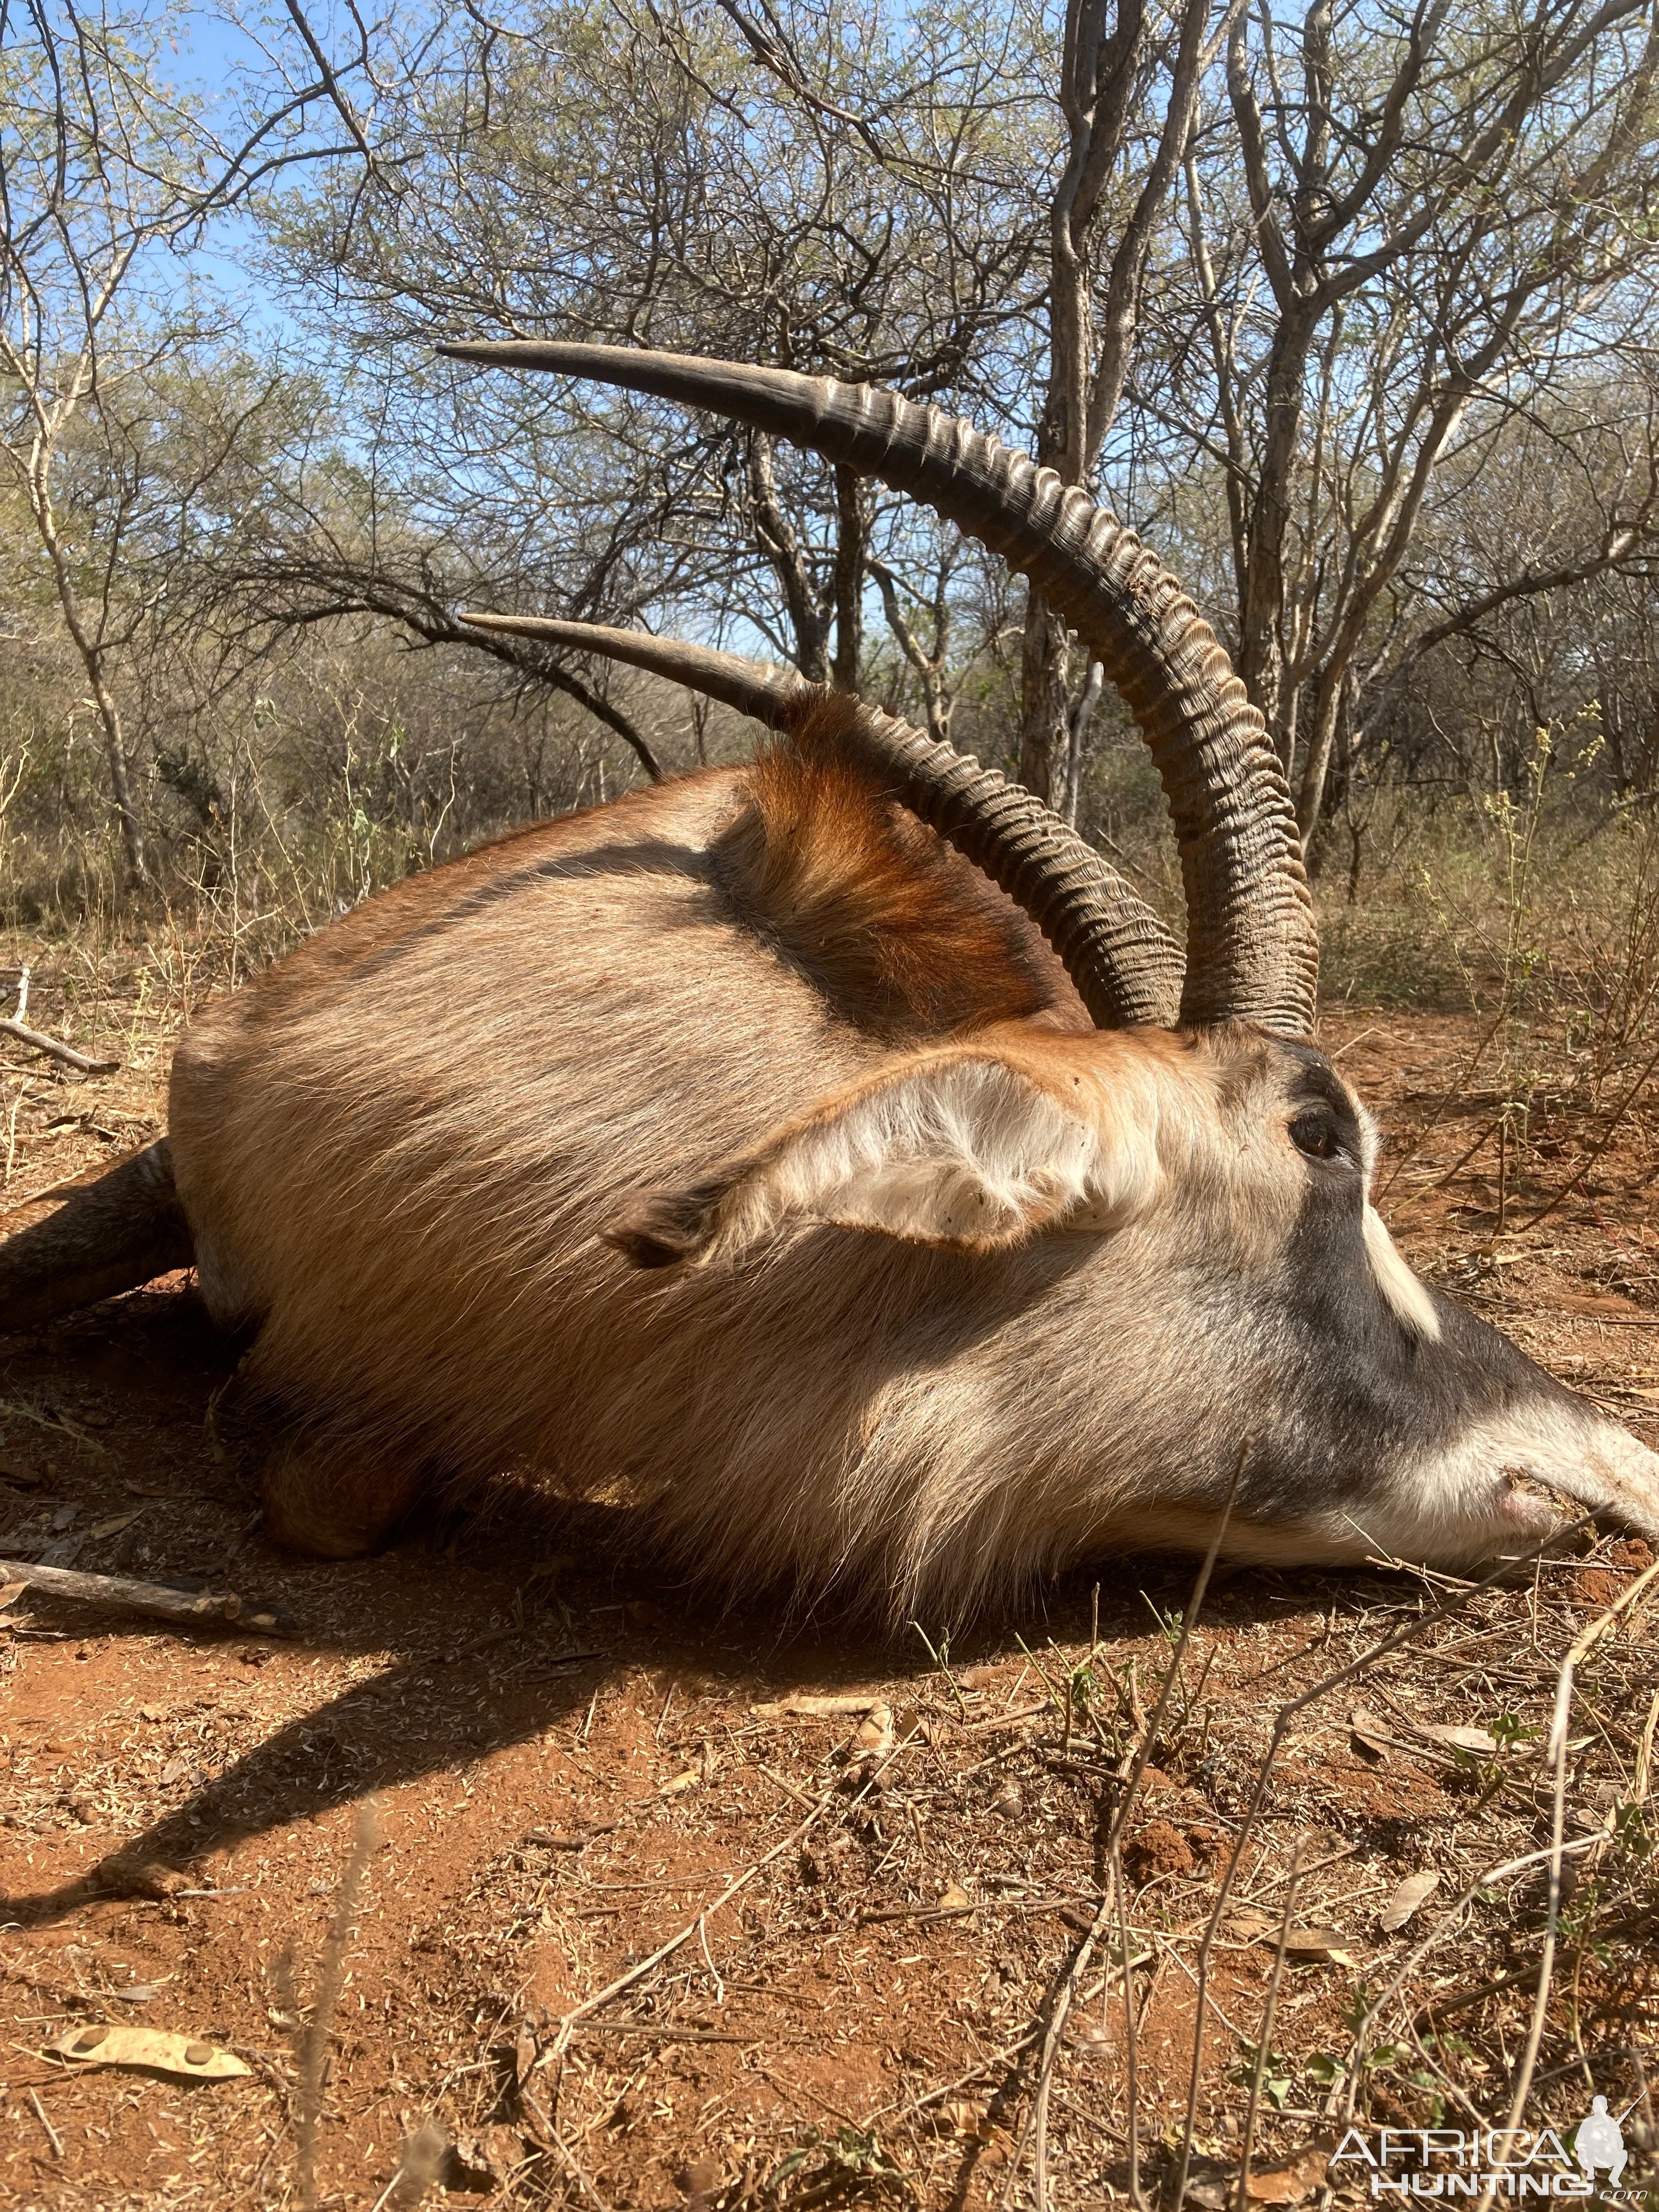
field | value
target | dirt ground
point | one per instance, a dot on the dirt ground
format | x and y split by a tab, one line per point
509	1872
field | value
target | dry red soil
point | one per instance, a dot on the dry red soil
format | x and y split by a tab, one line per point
391	1857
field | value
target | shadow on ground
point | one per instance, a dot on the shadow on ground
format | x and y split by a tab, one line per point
490	1628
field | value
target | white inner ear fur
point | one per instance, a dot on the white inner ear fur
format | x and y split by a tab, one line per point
1408	1298
967	1152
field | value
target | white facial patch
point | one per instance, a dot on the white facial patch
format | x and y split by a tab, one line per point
1408	1300
1509	1479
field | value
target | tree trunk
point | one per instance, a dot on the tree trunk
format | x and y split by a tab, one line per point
853	516
132	833
135	854
1261	593
777	540
1330	694
1077	741
1044	701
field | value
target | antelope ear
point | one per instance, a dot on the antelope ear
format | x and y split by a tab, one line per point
969	1148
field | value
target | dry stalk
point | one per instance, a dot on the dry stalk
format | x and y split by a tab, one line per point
331	1974
1415	1958
1264	2043
542	2121
1060	2009
1584	1166
1131	2027
579	2013
1451	1603
1579	1649
52	2136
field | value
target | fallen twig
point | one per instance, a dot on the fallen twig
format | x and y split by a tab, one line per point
1581	1645
1584	1166
312	2053
52	2136
1060	2009
579	2013
55	1048
1005	1719
668	2034
1264	2038
1397	1639
154	1600
924	1912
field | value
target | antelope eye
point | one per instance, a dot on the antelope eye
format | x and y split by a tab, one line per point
1315	1135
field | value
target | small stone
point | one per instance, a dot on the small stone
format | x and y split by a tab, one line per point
198	2054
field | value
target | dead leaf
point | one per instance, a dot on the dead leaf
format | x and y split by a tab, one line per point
963	2116
1460	1739
1299	1942
954	1898
873	1739
1292	2181
186	2056
1406	1899
680	1783
1368	1735
1246	1926
11	1592
804	1705
1212	2192
115	1523
480	2162
1315	1943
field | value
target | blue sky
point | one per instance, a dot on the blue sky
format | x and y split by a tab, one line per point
209	50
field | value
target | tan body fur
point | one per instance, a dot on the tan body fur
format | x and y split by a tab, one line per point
398	1149
737	1029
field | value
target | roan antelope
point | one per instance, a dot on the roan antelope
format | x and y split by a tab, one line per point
834	1157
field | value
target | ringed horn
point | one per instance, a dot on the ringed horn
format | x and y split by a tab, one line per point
1125	965
1252	952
